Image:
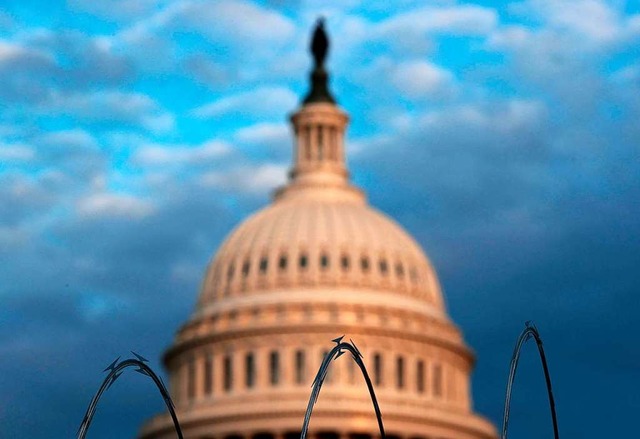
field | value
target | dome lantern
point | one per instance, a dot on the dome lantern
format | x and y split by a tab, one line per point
319	126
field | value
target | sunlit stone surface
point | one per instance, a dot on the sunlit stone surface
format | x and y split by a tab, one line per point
315	264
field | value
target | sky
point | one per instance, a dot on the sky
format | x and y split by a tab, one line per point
503	136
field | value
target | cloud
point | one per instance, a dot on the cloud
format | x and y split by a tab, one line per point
154	41
21	153
263	101
458	19
503	138
151	155
412	30
251	180
205	70
417	79
240	21
111	108
265	133
118	205
591	22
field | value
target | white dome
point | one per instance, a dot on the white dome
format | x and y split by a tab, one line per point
319	238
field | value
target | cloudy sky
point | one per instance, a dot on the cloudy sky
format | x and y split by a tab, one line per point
134	135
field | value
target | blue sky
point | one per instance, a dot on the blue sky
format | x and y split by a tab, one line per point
135	135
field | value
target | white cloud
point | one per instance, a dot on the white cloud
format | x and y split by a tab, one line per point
421	78
9	50
114	107
155	154
594	20
568	27
15	52
256	179
75	138
457	20
508	117
13	152
227	23
269	133
106	204
241	21
264	101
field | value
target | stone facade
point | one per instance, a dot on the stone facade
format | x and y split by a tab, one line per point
318	263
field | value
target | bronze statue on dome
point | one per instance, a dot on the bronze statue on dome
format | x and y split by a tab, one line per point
319	43
319	47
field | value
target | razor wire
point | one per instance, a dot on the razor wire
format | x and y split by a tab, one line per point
529	331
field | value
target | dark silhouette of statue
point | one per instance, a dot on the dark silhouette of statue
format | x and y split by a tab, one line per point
319	77
319	43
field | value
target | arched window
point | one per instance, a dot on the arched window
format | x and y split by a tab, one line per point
250	370
307	143
333	144
230	271
324	261
399	269
383	266
303	262
400	372
228	373
364	263
377	369
414	275
191	379
263	265
437	380
420	376
319	130
300	367
282	262
274	368
245	268
208	374
344	262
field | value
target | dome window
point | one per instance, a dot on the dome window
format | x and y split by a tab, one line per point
400	372
230	271
300	367
208	374
282	263
382	264
364	263
344	262
245	268
250	370
274	368
377	369
414	275
420	376
324	261
263	265
191	379
399	269
228	373
437	380
303	261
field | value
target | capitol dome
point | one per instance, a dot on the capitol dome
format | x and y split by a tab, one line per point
321	238
317	263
